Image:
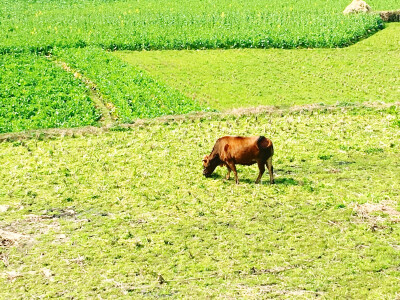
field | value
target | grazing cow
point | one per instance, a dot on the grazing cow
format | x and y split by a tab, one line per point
231	150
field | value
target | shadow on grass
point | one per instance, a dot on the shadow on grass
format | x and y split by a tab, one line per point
245	180
215	176
286	181
283	181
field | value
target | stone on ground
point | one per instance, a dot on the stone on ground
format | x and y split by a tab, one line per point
357	6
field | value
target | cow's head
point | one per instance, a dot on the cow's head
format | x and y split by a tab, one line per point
209	165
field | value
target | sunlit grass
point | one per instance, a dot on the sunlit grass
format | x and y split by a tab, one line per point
107	214
224	79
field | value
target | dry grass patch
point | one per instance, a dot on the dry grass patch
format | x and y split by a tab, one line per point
367	210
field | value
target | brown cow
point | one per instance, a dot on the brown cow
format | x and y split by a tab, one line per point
231	150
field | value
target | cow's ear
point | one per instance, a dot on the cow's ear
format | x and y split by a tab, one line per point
205	158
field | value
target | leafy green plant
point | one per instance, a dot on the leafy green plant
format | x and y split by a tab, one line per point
34	93
373	150
325	156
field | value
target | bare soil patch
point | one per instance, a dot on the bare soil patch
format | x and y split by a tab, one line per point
9	238
4	242
24	231
375	213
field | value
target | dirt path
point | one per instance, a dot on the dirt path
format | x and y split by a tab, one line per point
98	100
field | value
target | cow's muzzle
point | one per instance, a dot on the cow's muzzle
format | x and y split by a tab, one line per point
206	173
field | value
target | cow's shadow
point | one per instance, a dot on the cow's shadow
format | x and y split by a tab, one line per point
281	180
244	180
216	176
286	181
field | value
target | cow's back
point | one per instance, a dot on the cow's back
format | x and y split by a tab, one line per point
242	150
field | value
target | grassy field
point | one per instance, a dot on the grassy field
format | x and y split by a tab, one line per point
105	215
35	93
37	26
123	211
367	71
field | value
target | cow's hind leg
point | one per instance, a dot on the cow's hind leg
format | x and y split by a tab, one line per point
261	167
270	170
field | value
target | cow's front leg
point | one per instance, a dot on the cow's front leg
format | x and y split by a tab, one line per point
261	167
228	175
232	166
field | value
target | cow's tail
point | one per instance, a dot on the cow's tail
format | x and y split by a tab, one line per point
265	145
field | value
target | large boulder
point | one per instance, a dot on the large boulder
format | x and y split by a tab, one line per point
357	6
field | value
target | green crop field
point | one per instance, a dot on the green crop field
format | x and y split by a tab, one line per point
132	93
104	216
37	93
34	93
75	35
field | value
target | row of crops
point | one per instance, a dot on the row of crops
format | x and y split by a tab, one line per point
131	91
165	24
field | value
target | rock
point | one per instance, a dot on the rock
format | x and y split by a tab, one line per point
390	16
160	279
13	275
48	274
4	208
357	6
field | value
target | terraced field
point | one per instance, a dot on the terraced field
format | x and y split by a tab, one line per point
75	34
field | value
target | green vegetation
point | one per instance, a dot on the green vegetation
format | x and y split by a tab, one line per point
133	93
367	71
164	24
106	214
75	32
34	93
